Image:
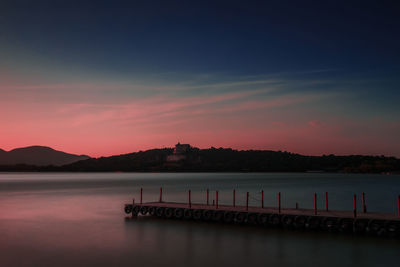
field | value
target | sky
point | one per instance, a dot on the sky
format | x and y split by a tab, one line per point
113	77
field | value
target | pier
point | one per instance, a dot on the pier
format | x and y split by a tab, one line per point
323	219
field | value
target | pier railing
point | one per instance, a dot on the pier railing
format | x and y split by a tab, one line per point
385	224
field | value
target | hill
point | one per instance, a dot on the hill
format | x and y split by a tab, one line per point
190	159
39	156
229	160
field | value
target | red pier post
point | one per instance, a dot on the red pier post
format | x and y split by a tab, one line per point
207	196
247	201
160	200
190	198
133	204
141	195
355	205
234	198
398	204
326	201
216	199
315	203
262	198
363	203
279	202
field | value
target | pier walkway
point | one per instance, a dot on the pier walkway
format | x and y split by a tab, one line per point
374	223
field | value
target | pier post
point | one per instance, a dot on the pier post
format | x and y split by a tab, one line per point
326	201
216	199
141	195
247	201
363	203
207	196
315	203
190	198
234	198
262	198
279	202
160	200
355	205
133	205
398	205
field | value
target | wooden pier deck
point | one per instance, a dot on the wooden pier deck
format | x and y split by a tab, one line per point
357	222
271	210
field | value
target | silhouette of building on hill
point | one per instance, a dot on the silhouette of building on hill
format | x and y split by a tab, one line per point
179	152
181	148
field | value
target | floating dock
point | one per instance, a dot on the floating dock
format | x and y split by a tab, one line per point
372	223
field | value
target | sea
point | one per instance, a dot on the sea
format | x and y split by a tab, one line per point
78	219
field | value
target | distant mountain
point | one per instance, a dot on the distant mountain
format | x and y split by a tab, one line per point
39	156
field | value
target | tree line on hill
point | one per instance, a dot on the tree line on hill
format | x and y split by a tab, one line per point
223	160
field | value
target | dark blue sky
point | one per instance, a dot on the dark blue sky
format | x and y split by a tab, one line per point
269	67
243	37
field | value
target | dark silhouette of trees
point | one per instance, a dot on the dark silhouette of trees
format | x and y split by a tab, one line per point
223	160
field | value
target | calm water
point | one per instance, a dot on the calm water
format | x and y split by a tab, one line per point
78	220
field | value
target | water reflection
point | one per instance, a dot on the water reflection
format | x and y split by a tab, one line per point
206	244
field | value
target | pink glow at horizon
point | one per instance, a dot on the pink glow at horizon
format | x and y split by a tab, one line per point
97	119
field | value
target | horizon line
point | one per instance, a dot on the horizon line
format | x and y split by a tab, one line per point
201	148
